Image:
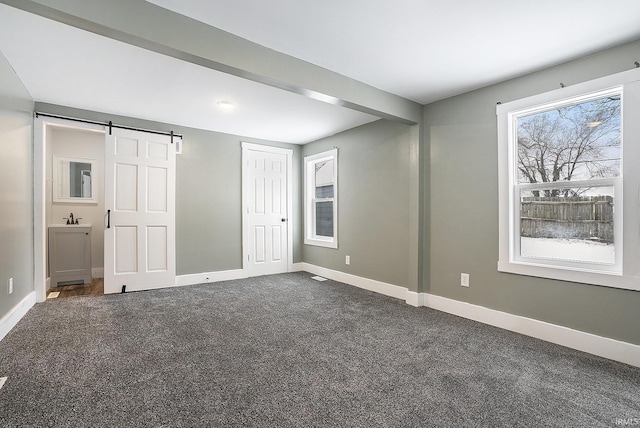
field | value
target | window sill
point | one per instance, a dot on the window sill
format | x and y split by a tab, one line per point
321	243
594	277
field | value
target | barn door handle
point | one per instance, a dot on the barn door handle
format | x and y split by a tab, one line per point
108	219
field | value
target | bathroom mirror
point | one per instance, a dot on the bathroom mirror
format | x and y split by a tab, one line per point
74	180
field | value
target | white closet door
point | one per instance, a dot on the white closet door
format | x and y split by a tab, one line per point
140	199
266	205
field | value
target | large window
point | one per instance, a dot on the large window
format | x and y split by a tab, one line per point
321	199
569	171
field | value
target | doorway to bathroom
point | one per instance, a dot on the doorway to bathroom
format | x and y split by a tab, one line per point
73	207
106	195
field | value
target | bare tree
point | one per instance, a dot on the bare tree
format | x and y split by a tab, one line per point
579	141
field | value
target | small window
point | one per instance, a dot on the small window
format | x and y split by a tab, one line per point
321	203
564	157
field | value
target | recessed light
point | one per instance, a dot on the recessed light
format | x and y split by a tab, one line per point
227	105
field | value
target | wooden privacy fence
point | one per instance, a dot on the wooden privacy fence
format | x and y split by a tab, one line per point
579	217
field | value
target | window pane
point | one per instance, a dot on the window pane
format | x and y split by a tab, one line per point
573	142
324	218
324	179
324	191
574	224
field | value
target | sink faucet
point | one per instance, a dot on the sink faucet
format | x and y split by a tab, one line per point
70	219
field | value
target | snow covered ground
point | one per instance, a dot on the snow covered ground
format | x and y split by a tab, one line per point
567	249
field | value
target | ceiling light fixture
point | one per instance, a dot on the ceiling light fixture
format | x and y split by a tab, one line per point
227	105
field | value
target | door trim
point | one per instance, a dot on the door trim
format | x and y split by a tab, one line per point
246	147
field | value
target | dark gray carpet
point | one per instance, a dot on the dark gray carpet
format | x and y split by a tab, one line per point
285	351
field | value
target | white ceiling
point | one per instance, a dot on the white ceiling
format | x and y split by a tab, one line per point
423	50
63	65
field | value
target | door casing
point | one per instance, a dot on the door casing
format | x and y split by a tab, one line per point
40	129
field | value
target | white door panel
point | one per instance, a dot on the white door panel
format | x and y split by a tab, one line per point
126	187
140	197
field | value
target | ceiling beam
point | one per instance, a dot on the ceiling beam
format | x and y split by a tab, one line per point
145	25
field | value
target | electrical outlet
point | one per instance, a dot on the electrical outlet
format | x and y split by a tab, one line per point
10	286
464	279
347	260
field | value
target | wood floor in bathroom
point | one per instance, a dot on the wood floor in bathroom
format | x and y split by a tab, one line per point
95	288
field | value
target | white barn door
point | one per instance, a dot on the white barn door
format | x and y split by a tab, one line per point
266	206
140	203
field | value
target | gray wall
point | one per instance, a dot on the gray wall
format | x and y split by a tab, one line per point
208	193
461	133
16	183
373	202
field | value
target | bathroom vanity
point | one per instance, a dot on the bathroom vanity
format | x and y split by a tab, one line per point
70	254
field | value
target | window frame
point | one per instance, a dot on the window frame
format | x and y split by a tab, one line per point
310	235
623	273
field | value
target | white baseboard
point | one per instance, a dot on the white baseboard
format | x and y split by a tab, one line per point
357	281
205	277
415	299
97	272
20	310
612	349
593	344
